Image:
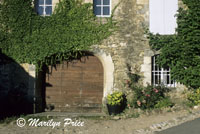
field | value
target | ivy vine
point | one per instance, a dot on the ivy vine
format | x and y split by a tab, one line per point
27	37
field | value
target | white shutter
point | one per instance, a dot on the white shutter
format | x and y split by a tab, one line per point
171	7
156	16
162	18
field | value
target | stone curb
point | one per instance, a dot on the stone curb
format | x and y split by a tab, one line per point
168	124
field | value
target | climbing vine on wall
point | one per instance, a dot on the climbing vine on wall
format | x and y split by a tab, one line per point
29	38
181	52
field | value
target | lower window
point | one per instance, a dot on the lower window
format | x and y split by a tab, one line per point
161	76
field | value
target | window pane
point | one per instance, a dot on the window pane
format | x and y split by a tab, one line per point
156	68
106	2
106	10
48	2
166	68
48	10
41	2
97	2
172	82
159	77
160	68
168	78
97	10
40	10
164	79
156	78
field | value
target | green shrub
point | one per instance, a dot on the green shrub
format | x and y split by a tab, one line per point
148	97
164	102
116	98
194	97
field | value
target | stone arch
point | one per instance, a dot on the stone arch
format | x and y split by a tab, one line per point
108	67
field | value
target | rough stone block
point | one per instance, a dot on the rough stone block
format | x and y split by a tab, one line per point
142	1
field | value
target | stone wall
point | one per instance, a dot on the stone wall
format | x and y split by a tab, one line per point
126	47
128	43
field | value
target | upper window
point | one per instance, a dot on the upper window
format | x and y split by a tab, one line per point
102	8
162	16
161	75
44	7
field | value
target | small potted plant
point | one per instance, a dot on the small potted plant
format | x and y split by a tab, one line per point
116	102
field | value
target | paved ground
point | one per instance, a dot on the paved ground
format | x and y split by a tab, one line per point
191	127
99	124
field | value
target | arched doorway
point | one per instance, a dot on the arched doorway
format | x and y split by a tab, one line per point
75	86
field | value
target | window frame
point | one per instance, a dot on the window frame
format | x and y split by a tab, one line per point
163	74
44	5
102	8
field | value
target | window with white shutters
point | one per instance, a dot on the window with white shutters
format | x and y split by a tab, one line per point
162	16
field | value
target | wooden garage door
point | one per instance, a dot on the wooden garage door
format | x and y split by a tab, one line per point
75	86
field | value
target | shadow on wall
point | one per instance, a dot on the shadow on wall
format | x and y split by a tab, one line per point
15	96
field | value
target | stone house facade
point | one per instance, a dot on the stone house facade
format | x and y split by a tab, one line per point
126	50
